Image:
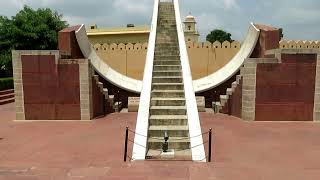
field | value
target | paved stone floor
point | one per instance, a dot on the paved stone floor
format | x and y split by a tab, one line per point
94	150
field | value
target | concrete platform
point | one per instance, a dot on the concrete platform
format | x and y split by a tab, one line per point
94	150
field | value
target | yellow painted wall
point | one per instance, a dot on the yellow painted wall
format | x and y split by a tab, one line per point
126	59
119	38
205	58
290	44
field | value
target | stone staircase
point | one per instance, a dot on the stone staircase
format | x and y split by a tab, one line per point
221	106
116	106
6	96
168	104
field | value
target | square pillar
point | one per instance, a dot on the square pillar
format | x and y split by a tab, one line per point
85	72
248	73
316	111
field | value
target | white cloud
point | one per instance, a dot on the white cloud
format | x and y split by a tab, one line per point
129	6
299	18
228	4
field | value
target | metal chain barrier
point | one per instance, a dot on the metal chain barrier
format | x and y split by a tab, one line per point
135	133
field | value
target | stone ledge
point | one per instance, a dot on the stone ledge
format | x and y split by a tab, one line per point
249	71
248	109
293	51
250	65
248	104
316	116
248	116
249	82
248	98
316	97
249	87
248	92
20	116
262	61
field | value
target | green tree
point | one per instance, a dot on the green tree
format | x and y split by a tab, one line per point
29	29
219	35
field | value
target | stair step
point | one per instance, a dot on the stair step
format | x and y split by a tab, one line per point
117	106
168	128
173	143
229	91
96	77
184	155
168	46
238	78
9	91
165	101
167	62
167	73
167	40
168	110
173	131
224	99
105	92
166	120
166	67
7	101
111	99
167	51
7	96
167	93
167	86
234	85
100	85
167	79
167	57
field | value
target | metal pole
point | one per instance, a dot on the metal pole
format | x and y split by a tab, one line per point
104	104
210	141
126	145
118	101
229	106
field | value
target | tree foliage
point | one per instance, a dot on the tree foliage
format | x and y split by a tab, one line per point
219	35
29	29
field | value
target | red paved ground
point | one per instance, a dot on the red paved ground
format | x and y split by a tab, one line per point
94	150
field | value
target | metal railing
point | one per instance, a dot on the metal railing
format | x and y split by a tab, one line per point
127	140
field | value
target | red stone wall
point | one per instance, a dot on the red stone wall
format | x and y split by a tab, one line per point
234	104
236	101
51	92
98	100
269	39
213	95
68	44
285	92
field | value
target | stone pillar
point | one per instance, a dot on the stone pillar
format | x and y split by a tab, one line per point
85	89
17	77
18	85
248	73
316	111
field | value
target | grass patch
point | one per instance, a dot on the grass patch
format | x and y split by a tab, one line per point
6	83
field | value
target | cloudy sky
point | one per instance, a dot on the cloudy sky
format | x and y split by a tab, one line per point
300	19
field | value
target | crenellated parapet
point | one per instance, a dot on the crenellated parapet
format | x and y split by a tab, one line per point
144	46
215	45
121	47
205	57
292	44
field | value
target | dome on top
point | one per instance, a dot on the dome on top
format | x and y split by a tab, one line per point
190	18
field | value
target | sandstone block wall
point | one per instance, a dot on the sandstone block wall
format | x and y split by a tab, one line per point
205	58
285	91
50	88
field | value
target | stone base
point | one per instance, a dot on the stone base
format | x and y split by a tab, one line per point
133	104
167	155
